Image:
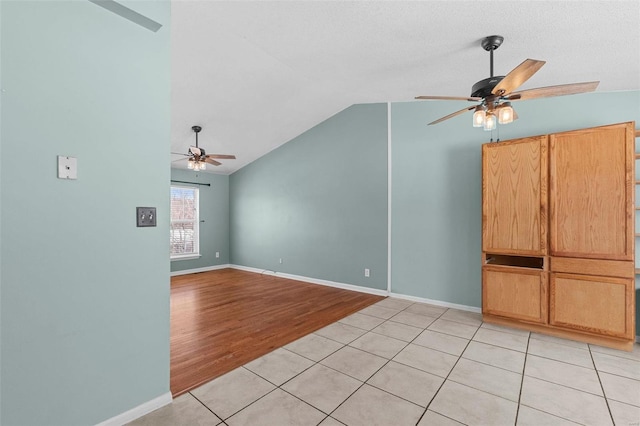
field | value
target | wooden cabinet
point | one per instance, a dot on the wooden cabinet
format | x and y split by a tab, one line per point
519	293
591	173
514	194
558	234
592	303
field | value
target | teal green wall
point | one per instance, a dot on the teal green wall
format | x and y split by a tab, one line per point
325	214
436	185
1	97
85	294
214	211
318	202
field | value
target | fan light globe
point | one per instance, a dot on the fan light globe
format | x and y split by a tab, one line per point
190	164
479	117
203	165
490	122
505	114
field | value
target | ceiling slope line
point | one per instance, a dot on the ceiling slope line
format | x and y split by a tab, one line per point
128	14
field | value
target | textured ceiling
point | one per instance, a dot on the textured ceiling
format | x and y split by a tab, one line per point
255	75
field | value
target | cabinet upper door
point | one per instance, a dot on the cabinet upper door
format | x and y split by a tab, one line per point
591	175
514	196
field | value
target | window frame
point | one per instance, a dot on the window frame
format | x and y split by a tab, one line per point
196	225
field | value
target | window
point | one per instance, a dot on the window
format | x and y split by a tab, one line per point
184	235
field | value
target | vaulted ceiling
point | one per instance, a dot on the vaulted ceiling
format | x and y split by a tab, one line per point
256	74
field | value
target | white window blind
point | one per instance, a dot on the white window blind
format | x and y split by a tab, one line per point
184	233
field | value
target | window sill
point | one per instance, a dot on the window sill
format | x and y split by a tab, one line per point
187	257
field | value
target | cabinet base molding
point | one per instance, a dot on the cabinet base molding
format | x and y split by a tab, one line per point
610	342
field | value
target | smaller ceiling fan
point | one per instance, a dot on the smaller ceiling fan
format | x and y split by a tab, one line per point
197	157
496	92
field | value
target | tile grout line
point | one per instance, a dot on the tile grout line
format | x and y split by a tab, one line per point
307	403
321	359
206	406
349	375
553	342
337	341
524	367
604	394
292	377
452	335
276	387
318	362
563	386
558	360
288	380
530	337
252	402
362	382
381	367
494	346
609	373
391	359
446	378
406	344
614	355
359	387
553	383
526	353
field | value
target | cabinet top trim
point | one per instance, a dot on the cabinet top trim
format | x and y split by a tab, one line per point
519	139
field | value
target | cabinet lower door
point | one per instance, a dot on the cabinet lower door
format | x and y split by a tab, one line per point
600	305
516	293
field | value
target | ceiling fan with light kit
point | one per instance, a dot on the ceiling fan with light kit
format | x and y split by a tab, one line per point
496	93
197	158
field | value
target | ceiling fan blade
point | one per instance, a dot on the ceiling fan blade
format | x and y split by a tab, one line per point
452	115
210	161
179	159
560	90
221	156
180	153
517	76
450	98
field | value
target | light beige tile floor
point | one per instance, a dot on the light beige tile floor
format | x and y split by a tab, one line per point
402	363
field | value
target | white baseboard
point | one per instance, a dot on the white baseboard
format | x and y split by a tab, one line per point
196	270
139	411
343	286
436	302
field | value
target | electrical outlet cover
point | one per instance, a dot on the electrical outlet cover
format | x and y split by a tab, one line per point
146	216
67	167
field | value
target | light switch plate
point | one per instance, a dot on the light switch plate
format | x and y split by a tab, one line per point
67	167
146	216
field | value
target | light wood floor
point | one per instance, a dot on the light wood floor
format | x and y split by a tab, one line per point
223	319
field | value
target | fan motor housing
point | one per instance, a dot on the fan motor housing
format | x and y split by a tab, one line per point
483	88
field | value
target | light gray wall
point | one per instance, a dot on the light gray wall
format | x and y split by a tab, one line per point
85	294
318	202
214	211
436	185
